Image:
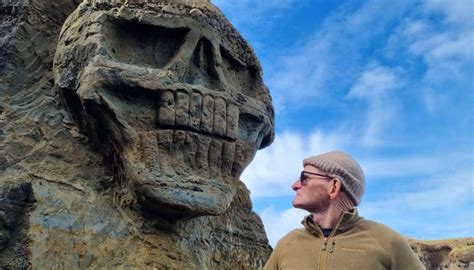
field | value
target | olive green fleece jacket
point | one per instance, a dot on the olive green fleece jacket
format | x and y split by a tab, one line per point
355	243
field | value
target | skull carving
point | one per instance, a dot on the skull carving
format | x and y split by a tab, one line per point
169	91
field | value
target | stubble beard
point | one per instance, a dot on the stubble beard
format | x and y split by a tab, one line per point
317	202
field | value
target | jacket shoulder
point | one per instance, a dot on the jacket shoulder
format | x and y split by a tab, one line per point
293	235
378	228
395	245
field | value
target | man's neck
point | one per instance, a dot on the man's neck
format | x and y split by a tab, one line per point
327	218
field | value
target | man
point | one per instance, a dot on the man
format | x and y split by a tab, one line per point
334	236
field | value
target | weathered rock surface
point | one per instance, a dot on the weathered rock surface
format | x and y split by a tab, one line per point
451	254
130	158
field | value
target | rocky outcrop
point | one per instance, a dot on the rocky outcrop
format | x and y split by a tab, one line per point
451	254
125	151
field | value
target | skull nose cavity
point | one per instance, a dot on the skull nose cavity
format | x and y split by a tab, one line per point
196	112
250	127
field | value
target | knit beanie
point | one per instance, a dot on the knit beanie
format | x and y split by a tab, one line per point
343	167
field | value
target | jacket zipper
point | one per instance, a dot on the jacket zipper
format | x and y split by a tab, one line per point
322	255
324	250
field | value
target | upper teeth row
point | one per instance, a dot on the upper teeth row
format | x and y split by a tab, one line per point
201	113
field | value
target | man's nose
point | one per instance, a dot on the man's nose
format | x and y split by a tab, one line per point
296	185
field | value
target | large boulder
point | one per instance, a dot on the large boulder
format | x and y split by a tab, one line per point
123	136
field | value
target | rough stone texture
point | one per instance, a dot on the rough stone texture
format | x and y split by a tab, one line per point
15	203
131	157
451	254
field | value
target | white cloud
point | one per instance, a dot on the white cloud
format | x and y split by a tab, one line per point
325	64
444	47
435	200
279	223
375	86
455	12
375	83
275	168
408	166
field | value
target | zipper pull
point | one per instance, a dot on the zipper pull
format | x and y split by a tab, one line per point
331	249
324	244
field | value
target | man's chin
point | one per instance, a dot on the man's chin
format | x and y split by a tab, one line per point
297	204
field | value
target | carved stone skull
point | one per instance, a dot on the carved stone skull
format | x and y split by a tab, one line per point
170	92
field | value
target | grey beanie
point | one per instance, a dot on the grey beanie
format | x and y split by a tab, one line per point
342	166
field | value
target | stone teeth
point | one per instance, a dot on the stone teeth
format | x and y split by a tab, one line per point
178	147
165	141
220	117
182	108
198	112
207	120
202	158
232	121
215	157
228	153
190	146
244	153
195	111
167	152
149	147
166	114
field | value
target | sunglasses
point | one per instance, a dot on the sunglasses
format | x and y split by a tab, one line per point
304	178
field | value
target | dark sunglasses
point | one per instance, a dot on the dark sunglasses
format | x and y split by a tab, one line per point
304	178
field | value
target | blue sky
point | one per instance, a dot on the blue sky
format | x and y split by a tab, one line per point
390	82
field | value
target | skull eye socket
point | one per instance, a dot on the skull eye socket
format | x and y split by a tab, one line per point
142	44
241	75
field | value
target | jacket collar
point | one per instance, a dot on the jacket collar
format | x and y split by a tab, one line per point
346	221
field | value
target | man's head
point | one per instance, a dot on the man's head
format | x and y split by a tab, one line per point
329	176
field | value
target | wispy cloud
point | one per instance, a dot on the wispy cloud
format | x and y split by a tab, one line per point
274	169
442	47
333	56
404	49
279	223
415	165
437	200
255	13
375	87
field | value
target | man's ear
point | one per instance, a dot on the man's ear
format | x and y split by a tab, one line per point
334	188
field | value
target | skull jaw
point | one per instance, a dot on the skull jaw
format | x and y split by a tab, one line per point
177	196
167	178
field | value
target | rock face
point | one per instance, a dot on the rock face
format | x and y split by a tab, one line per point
451	254
124	128
171	93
